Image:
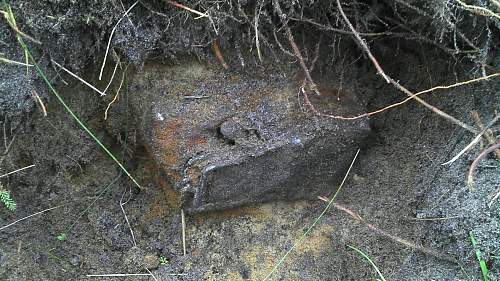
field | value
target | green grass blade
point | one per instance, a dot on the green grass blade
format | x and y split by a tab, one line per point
482	263
361	253
306	233
71	113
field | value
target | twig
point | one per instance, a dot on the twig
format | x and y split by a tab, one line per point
488	135
202	15
7	148
125	214
474	141
310	228
396	84
129	20
130	274
363	44
183	224
112	76
39	100
111	36
79	79
341	31
496	2
495	197
151	273
295	48
195	97
478	10
258	7
118	275
32	215
405	242
6	60
434	109
16	171
435	218
473	166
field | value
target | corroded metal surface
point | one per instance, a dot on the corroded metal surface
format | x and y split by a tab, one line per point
226	139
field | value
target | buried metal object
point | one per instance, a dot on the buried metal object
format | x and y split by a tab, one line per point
248	140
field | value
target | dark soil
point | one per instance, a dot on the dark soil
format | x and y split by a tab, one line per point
397	182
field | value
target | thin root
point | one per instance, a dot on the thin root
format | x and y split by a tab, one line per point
473	166
397	239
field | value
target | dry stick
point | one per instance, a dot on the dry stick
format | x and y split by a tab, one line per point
436	218
118	275
363	44
2	59
405	242
295	48
474	141
39	100
7	148
183	224
473	166
16	171
495	197
27	217
130	274
396	84
79	79
488	135
178	5
112	76
478	10
151	273
125	214
256	28
129	20
111	36
496	2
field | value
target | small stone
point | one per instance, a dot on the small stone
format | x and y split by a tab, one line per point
151	261
75	261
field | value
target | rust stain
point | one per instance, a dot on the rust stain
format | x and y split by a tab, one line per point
249	211
166	139
166	199
196	141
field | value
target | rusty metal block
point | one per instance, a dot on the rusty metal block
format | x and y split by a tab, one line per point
226	139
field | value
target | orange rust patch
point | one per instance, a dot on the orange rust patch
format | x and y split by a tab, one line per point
196	141
166	199
168	144
249	211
